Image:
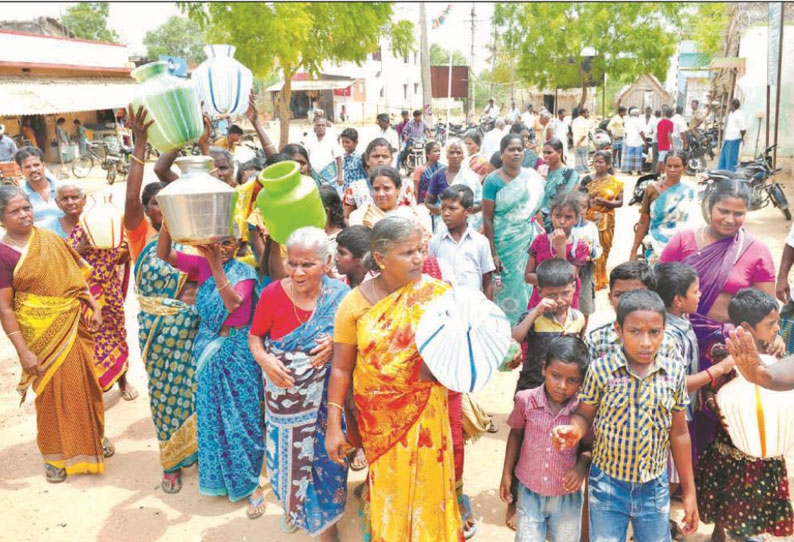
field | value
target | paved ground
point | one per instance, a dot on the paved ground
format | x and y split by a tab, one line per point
126	505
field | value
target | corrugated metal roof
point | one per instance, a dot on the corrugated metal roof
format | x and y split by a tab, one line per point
51	95
313	84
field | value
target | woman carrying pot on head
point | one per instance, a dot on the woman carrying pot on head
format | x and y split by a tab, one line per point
359	193
511	198
228	380
291	339
606	194
111	353
402	409
43	294
167	320
666	207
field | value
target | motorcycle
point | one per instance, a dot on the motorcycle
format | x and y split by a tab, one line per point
698	146
414	156
754	174
487	124
441	132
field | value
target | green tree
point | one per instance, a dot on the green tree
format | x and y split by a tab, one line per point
440	56
177	36
88	20
291	36
626	39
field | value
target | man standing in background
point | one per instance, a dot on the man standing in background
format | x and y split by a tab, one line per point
581	139
617	132
735	128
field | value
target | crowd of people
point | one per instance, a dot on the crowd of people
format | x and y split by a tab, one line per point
300	362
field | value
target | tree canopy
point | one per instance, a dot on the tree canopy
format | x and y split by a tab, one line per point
88	20
177	36
570	44
439	56
291	36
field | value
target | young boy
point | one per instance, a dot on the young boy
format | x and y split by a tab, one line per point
626	277
462	248
352	243
587	231
636	401
352	165
548	481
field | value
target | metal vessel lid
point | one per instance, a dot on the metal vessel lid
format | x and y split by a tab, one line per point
191	164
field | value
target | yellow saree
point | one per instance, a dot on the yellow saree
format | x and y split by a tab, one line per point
607	188
404	425
48	285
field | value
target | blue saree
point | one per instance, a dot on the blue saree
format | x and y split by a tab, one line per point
670	213
166	331
311	488
228	397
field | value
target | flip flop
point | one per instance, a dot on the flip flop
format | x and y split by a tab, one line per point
466	514
54	474
107	447
358	461
255	508
287	526
741	538
171	482
129	395
492	427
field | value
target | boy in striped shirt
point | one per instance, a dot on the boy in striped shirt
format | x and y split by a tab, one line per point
636	402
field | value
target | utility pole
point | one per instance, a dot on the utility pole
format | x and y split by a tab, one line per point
493	57
472	77
427	90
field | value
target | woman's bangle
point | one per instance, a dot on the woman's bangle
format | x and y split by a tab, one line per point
13	333
225	284
336	405
137	159
710	377
270	145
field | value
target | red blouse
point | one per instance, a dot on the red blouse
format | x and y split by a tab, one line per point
275	314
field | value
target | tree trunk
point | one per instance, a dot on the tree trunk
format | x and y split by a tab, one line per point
583	100
284	113
424	53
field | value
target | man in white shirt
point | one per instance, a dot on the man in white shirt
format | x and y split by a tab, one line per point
735	128
492	139
387	132
632	151
528	120
491	111
326	154
649	122
514	114
679	128
581	139
561	126
697	116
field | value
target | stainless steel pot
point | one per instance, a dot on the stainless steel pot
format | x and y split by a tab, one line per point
197	207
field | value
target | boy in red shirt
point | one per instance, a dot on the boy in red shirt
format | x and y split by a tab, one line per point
664	132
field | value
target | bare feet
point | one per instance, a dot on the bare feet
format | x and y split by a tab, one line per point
331	534
510	516
719	533
128	391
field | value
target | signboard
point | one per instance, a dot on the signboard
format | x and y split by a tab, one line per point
439	80
343	91
773	43
176	65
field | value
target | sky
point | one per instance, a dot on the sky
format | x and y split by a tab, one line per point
131	20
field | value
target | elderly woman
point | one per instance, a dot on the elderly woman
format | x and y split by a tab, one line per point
402	409
229	383
107	285
666	207
454	173
511	198
291	339
359	193
42	297
727	259
386	185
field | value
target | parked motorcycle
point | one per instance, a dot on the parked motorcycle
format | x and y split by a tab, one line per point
415	156
487	124
755	175
441	132
698	146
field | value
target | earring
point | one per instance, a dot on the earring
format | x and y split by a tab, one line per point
382	266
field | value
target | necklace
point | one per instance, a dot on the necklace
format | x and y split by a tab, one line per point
9	239
295	304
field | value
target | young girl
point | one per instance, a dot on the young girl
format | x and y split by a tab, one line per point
588	232
565	213
424	173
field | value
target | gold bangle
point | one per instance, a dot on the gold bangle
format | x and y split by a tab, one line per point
13	333
270	145
337	405
225	284
141	162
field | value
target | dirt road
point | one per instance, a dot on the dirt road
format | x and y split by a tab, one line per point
126	505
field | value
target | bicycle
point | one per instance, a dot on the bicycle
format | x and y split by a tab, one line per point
83	165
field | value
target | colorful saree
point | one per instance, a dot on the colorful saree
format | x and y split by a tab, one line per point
670	212
229	395
559	181
404	425
607	188
166	331
311	488
70	416
111	352
480	165
515	206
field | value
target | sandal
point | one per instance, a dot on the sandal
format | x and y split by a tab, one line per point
287	526
358	461
256	505
54	474
741	538
172	482
466	514
492	427
129	394
107	448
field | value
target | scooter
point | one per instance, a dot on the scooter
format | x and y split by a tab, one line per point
415	156
755	175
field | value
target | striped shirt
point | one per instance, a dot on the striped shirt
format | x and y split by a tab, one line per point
687	352
634	415
541	467
604	341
